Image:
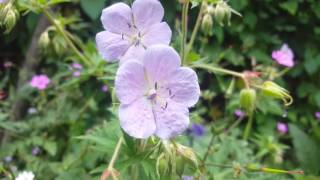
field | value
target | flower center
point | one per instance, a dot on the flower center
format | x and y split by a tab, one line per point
152	94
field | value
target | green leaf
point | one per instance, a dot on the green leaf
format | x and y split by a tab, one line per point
306	149
291	6
92	8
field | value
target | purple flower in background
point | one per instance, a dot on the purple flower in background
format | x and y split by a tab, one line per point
282	127
104	88
239	114
8	159
129	31
317	114
36	151
155	94
284	56
197	130
40	81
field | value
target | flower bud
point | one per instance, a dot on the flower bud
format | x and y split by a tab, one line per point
180	164
210	9
10	20
207	24
162	165
248	100
44	40
273	90
220	13
188	155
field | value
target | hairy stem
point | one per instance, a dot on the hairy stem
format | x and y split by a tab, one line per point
184	25
196	27
215	69
114	158
66	37
248	127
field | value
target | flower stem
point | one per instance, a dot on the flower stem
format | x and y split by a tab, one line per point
114	158
196	27
248	127
66	37
184	25
215	69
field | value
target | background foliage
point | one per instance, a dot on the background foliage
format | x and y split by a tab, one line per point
75	125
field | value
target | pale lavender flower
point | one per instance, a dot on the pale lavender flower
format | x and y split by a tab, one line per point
284	56
25	175
3	1
104	88
239	114
155	94
129	31
317	114
282	127
40	82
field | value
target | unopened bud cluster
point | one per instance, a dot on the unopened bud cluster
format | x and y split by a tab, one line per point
8	16
219	12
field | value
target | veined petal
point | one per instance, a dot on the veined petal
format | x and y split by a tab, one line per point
147	13
159	33
159	61
134	52
184	86
130	82
117	18
172	119
111	46
137	119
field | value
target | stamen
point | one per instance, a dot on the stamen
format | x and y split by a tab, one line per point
129	25
122	37
156	86
165	106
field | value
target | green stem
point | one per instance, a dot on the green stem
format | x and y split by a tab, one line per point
184	25
215	69
248	127
114	158
66	37
206	155
196	27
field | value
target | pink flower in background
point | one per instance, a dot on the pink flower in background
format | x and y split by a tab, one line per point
155	94
76	66
284	56
40	82
282	127
239	114
129	31
317	114
76	73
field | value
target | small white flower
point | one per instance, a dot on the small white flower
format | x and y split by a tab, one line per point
25	175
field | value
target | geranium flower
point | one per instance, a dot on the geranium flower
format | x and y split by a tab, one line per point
40	81
155	94
284	56
128	32
317	114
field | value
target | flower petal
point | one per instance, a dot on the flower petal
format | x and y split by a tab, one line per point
159	33
147	13
137	119
111	46
160	61
184	86
171	119
130	82
117	18
134	52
